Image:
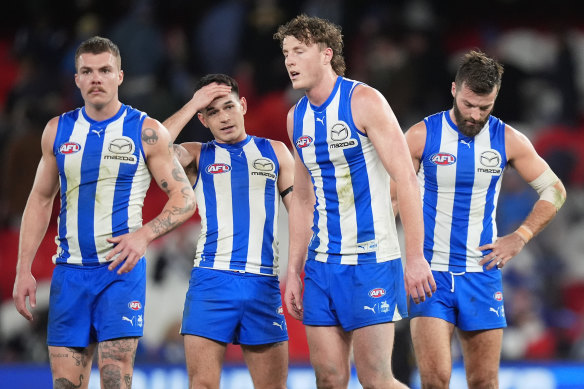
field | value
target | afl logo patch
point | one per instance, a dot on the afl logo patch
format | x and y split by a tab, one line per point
377	292
69	148
218	168
135	305
303	141
280	310
442	159
498	296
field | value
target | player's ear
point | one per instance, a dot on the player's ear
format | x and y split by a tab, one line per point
120	77
453	89
243	103
201	118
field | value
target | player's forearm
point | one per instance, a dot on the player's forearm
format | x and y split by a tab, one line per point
299	224
179	120
180	207
410	210
35	221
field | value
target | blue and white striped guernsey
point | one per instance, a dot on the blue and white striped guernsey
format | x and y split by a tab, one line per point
104	180
460	179
353	218
238	200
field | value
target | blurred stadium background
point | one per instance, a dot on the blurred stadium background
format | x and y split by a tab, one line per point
405	48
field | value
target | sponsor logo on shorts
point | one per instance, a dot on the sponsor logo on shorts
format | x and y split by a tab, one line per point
218	168
131	321
368	308
140	321
135	305
278	325
442	159
377	292
498	296
384	306
69	148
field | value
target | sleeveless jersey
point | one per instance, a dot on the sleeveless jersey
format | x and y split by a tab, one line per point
238	200
353	221
103	178
460	178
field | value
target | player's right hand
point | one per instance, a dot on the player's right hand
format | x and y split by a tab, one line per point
24	286
293	297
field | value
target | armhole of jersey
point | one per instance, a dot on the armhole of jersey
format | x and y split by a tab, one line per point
350	111
198	164
428	140
274	156
57	135
295	125
140	128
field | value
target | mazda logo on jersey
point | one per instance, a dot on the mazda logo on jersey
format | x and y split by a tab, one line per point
122	145
69	148
218	168
339	132
490	158
442	159
263	164
339	135
303	141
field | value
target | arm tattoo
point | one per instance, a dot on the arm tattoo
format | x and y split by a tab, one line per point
149	136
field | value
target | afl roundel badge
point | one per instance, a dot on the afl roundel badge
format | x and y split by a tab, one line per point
69	148
442	159
303	141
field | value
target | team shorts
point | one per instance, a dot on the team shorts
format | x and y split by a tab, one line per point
353	296
470	301
91	304
234	307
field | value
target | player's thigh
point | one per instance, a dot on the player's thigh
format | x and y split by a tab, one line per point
329	347
267	364
431	338
204	358
481	351
372	349
71	367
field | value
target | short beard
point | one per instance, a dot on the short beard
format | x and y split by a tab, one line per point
463	127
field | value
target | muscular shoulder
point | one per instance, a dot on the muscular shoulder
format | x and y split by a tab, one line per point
416	138
368	106
516	143
154	136
49	133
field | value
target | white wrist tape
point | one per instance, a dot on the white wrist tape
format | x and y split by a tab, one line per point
544	185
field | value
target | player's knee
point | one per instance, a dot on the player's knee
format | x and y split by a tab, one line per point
111	377
435	380
328	376
378	378
485	379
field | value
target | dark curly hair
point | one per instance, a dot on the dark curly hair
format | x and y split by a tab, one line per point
98	45
219	78
480	72
311	29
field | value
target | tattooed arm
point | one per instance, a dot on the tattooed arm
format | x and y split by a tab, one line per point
171	178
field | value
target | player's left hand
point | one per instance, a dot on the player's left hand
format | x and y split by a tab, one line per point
502	251
419	279
129	248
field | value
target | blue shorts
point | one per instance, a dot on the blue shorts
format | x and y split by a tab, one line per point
353	296
233	307
470	301
91	304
